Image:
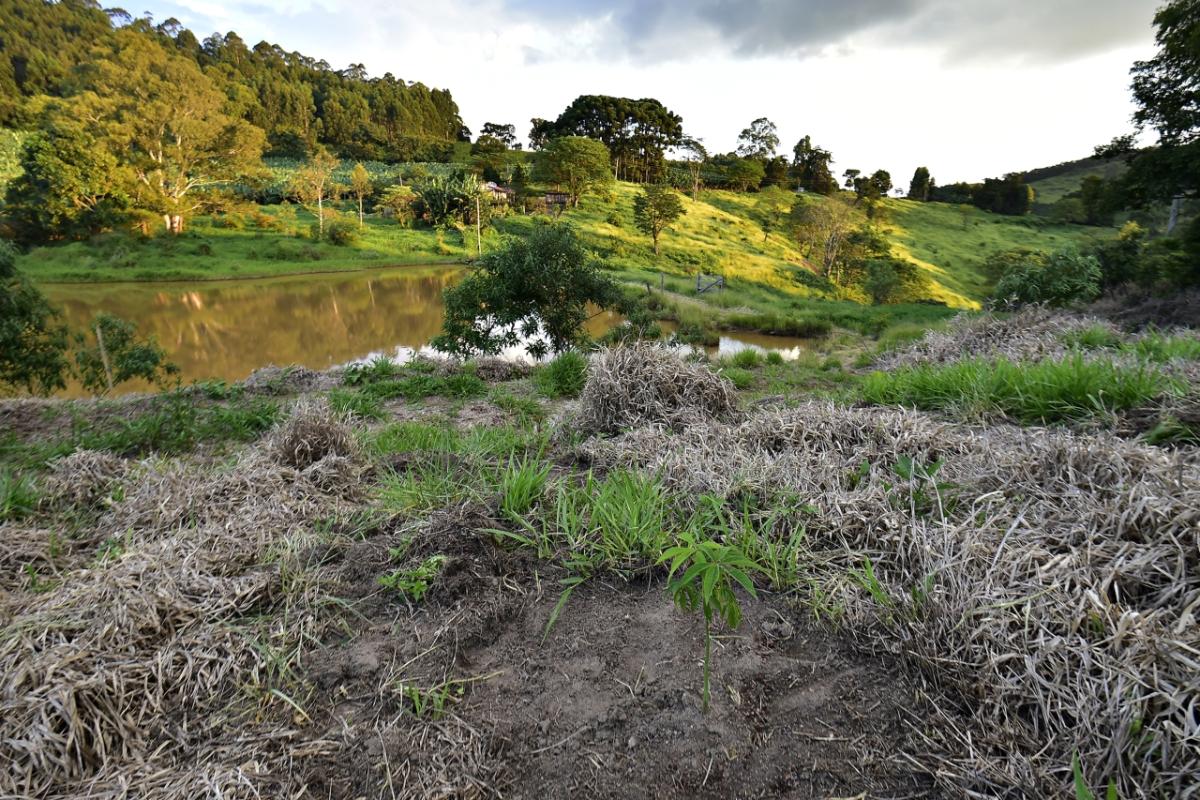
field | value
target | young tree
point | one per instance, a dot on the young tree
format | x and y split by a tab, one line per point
164	119
577	163
919	186
533	292
313	185
760	140
850	177
695	155
655	209
823	228
771	208
360	187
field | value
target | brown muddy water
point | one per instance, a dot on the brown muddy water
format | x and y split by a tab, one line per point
224	330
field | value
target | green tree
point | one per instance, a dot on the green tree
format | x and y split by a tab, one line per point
741	174
919	186
637	133
32	340
655	209
532	292
810	168
882	281
360	187
575	163
69	186
312	185
505	134
759	141
164	119
771	208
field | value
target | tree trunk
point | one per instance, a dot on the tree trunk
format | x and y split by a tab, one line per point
656	244
360	213
1176	204
320	216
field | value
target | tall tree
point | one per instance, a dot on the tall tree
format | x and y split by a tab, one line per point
312	185
576	163
810	167
505	134
540	132
1166	89
655	209
637	133
760	140
919	186
161	117
360	187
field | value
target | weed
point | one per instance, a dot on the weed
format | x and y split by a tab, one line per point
1095	337
373	371
356	404
741	378
1047	391
18	496
628	512
749	358
924	493
775	358
521	486
1082	792
562	377
412	584
1161	348
525	409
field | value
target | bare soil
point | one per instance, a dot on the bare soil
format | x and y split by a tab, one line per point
608	705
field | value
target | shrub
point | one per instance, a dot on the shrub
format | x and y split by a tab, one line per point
562	377
1067	277
341	233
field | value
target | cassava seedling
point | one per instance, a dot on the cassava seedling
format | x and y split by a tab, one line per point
707	585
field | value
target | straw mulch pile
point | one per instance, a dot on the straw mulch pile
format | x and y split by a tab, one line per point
1032	334
148	668
1061	612
641	384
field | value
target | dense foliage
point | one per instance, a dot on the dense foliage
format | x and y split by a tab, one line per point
637	133
655	209
533	293
1060	279
298	101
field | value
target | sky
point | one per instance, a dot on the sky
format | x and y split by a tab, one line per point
969	88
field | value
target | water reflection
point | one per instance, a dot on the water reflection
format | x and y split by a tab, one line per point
228	329
225	330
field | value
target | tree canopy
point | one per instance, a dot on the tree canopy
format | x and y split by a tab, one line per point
575	163
655	209
637	133
533	292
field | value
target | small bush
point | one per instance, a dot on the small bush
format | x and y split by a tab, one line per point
562	377
748	358
1066	277
341	233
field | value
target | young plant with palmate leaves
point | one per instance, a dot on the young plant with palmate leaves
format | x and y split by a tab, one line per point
707	585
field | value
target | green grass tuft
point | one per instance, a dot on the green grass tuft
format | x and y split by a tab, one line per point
562	377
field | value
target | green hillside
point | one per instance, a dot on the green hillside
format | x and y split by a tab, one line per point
718	235
1054	183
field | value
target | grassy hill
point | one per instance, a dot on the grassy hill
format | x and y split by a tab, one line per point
1054	183
717	235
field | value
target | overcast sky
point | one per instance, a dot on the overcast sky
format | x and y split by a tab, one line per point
970	88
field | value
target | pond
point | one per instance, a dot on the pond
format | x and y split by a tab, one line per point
227	329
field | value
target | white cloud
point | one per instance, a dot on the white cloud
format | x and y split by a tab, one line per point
969	88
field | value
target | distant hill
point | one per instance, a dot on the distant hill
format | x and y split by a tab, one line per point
1054	183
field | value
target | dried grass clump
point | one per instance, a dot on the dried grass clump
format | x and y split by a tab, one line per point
273	380
140	671
1065	589
84	478
312	432
499	370
1032	334
639	384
